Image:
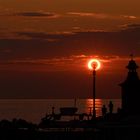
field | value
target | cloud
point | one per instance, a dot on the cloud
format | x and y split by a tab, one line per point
131	27
73	62
33	14
78	45
42	36
129	17
67	63
38	35
94	15
37	14
101	15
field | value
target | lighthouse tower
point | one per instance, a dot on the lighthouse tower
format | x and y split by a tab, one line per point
131	90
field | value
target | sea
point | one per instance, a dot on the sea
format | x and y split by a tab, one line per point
33	110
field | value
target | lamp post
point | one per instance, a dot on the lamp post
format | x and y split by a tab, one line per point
94	65
94	91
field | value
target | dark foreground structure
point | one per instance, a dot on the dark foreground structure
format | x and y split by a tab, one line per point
131	90
123	125
102	131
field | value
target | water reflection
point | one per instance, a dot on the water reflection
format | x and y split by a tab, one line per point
98	106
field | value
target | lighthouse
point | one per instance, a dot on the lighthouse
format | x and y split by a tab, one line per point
130	90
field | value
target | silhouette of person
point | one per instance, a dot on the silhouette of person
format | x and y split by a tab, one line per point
53	110
104	110
110	105
119	110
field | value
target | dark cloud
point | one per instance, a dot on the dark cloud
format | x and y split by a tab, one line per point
42	35
121	43
36	14
134	26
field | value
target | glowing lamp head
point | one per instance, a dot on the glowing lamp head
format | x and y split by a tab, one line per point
94	64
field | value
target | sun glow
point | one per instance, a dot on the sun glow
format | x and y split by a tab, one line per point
94	64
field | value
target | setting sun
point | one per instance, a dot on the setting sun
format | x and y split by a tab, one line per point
94	63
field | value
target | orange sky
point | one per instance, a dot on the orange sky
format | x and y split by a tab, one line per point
62	15
43	41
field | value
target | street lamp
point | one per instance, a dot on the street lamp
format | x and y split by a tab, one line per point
94	65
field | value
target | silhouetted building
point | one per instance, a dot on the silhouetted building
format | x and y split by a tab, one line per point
131	90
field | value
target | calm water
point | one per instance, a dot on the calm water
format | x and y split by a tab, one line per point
34	109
